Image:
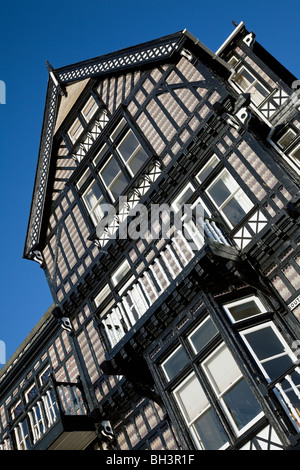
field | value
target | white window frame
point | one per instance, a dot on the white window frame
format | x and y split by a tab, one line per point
100	154
279	141
253	298
220	395
208	318
291	155
190	424
102	295
117	129
12	410
117	176
214	160
41	375
49	406
93	210
5	445
175	204
235	189
75	130
26	394
167	360
122	270
83	178
134	153
248	88
286	347
92	104
196	236
36	422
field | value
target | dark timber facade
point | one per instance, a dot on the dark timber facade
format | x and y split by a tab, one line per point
184	342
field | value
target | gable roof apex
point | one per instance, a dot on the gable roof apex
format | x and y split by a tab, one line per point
58	105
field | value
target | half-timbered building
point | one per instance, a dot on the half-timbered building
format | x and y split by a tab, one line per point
165	216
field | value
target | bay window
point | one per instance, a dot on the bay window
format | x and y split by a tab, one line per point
212	395
272	354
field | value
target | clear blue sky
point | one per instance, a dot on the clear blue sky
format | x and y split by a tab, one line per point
67	31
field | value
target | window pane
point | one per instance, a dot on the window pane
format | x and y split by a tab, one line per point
138	161
186	394
100	155
203	335
98	213
219	192
265	343
183	197
118	185
89	109
234	211
242	404
128	146
75	130
222	369
83	179
270	351
110	171
175	363
287	138
132	152
101	296
275	367
210	431
92	196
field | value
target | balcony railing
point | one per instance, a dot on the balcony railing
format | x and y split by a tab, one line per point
272	103
287	390
171	259
35	421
